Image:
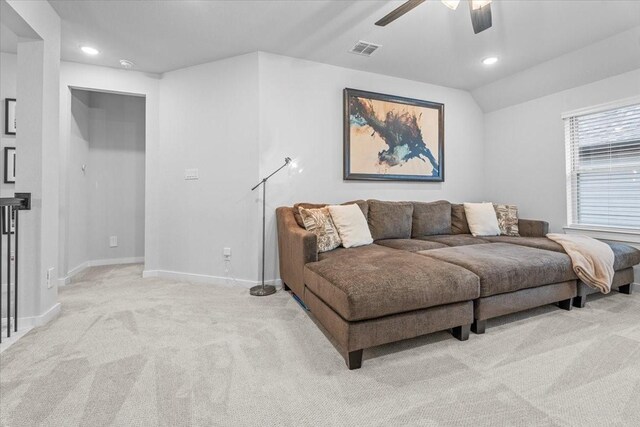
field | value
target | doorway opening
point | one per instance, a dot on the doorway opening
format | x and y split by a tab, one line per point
105	180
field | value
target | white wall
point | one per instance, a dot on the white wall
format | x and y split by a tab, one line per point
209	121
8	82
301	116
107	198
37	142
525	151
103	79
79	191
8	65
235	120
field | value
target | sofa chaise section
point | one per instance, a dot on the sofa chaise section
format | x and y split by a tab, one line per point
512	278
625	257
378	295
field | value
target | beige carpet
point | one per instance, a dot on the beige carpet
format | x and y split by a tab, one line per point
128	351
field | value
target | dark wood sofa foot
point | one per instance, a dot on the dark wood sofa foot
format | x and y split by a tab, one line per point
566	304
354	359
580	301
626	289
461	332
285	287
479	326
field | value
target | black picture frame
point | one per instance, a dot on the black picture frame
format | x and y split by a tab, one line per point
9	110
349	108
5	220
9	157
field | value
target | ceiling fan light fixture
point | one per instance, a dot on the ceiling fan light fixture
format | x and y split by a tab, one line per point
125	63
478	4
451	4
490	60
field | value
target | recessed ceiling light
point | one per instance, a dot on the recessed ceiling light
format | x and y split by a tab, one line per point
490	60
126	63
90	50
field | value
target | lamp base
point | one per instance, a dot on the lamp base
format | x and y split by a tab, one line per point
262	291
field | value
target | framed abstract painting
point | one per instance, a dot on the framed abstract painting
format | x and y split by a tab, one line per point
392	138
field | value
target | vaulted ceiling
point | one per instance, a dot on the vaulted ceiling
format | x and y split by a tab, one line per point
431	43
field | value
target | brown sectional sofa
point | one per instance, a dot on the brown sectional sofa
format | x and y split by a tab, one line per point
426	273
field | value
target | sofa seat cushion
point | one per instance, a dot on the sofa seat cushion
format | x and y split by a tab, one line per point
374	281
454	239
625	256
532	242
503	267
410	245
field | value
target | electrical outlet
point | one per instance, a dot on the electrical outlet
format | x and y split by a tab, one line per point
190	174
113	241
50	277
226	253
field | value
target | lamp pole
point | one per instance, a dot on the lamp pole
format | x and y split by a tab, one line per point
264	290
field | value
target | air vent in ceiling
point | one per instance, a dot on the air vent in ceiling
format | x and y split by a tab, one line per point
364	48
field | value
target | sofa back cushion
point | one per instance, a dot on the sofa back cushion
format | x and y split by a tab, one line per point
459	223
390	220
431	218
362	204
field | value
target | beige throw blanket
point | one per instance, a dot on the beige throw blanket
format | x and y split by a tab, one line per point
592	260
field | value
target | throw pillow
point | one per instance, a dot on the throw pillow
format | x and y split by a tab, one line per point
296	208
351	224
482	219
319	222
507	219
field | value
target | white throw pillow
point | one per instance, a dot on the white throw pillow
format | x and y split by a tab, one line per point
482	219
352	225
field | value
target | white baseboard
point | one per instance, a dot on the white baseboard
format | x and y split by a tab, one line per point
97	263
25	324
206	279
35	321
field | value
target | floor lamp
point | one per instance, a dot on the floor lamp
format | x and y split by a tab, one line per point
264	290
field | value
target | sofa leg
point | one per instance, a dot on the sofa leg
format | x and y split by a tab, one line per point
566	304
285	287
461	332
626	289
580	301
354	359
479	326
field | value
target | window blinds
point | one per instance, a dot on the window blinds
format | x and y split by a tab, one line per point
603	168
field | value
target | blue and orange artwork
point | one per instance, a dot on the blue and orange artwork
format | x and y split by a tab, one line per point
393	140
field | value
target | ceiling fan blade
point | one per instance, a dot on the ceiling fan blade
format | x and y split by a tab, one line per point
480	17
398	12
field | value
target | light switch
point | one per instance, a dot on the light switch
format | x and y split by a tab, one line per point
191	174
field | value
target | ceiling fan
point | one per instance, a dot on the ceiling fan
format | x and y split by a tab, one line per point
480	12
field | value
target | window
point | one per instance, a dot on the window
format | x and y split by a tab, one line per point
603	167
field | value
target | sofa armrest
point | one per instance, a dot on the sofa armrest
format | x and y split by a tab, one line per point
296	247
532	228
